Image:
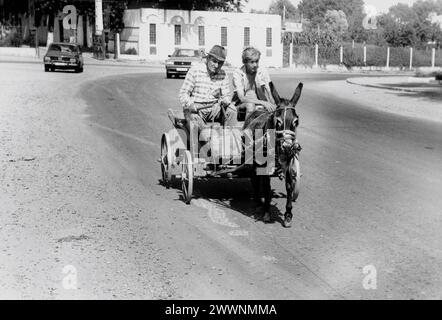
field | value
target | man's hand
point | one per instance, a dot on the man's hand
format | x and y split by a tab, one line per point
225	102
270	107
193	108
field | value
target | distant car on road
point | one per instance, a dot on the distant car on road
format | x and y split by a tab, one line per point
181	61
62	55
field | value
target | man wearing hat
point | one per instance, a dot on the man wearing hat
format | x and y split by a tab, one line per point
206	90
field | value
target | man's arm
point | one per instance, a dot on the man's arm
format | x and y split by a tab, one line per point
238	86
225	91
265	78
185	94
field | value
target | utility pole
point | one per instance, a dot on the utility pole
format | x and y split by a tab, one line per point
98	17
99	49
32	28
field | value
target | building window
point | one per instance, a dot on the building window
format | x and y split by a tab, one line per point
177	34
153	33
269	37
246	36
224	36
153	51
201	36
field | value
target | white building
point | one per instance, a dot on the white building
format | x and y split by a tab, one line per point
155	33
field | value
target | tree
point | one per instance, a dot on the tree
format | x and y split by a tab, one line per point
277	7
116	14
396	32
50	8
116	21
425	30
335	21
258	11
402	13
220	5
410	26
315	11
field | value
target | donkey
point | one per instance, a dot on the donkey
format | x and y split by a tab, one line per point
284	120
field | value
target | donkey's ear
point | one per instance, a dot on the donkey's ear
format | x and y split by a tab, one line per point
297	94
275	94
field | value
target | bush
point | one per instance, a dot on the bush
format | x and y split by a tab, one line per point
438	61
400	57
353	57
328	55
285	54
422	58
304	55
12	39
376	56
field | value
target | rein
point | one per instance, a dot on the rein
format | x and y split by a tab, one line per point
285	130
287	134
281	135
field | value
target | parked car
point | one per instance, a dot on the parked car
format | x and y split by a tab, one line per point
181	61
63	56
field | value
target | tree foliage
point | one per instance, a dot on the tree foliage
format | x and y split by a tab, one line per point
277	7
315	11
219	5
323	38
402	25
116	16
410	26
336	21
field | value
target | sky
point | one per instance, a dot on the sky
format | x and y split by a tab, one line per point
380	5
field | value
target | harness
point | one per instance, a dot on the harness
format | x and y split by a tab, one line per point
287	135
285	131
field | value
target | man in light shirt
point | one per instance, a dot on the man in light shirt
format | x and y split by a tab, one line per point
206	91
251	84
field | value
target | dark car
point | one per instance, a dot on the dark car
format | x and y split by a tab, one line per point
63	56
181	61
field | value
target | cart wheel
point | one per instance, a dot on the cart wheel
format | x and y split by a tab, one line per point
187	177
166	159
297	177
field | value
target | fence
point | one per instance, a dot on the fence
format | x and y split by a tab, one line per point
360	55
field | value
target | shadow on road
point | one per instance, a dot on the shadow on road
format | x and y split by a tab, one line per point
429	91
232	194
434	95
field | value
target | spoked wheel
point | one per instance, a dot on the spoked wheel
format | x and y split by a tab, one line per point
187	177
166	160
297	177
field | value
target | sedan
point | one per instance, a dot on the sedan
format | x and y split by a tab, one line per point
63	56
181	61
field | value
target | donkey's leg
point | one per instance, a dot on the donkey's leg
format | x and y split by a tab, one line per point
267	190
256	184
289	187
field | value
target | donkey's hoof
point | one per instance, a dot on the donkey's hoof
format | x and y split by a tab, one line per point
267	218
287	223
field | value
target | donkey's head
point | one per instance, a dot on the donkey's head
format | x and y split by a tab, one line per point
286	121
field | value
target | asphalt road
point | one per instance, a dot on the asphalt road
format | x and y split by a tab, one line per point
370	201
81	187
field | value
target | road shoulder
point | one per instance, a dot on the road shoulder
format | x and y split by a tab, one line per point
424	105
